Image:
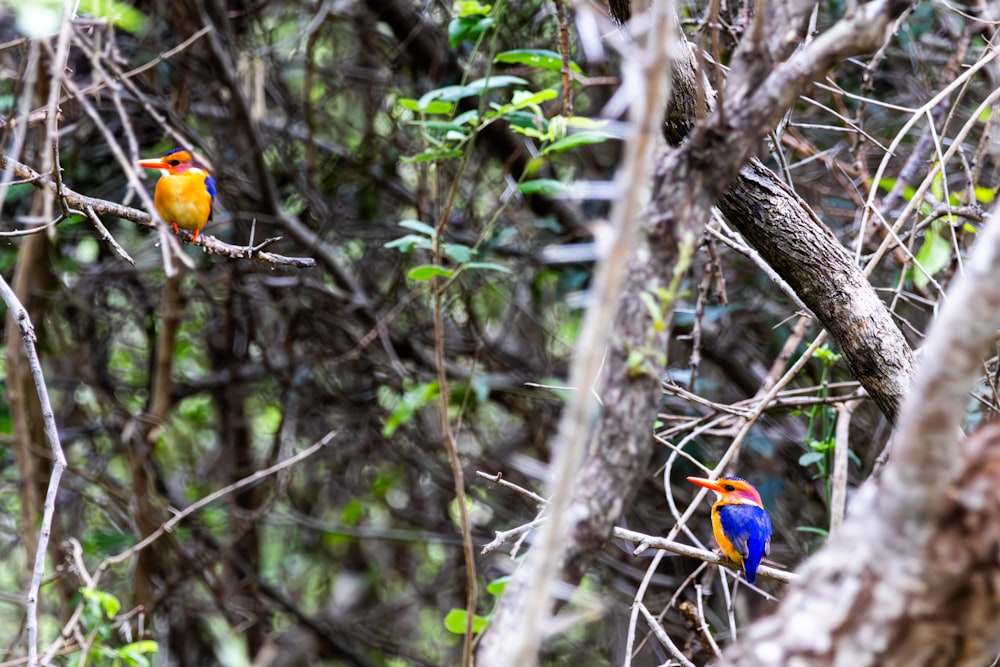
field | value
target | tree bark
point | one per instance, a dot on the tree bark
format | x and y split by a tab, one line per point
803	251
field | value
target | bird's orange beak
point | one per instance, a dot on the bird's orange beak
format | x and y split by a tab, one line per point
152	163
707	483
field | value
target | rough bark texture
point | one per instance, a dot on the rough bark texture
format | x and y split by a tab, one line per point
806	254
911	579
785	231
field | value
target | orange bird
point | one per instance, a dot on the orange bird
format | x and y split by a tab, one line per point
185	191
740	522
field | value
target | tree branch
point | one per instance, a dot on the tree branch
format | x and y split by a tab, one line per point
143	219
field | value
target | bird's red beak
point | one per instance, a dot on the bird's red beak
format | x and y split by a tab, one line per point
152	163
707	483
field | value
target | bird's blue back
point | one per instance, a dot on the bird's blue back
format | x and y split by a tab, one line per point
748	527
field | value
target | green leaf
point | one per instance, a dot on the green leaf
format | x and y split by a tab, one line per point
529	124
453	131
584	123
470	117
526	98
434	154
574	140
119	14
109	603
544	186
454	622
809	458
352	512
497	586
934	255
426	272
136	651
985	195
418	226
431	106
467	28
488	266
493	82
414	397
470	8
888	184
549	60
445	93
457	252
813	530
408	243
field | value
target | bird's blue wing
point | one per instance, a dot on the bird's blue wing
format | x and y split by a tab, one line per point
749	529
210	185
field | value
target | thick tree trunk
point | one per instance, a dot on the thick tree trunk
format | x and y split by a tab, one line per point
786	233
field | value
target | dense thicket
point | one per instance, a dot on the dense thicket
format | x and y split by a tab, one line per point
167	388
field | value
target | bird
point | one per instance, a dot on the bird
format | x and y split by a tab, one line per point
185	191
741	525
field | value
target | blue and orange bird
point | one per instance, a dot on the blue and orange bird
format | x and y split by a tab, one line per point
185	191
740	522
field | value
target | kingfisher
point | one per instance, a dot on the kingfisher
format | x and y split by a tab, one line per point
740	522
185	191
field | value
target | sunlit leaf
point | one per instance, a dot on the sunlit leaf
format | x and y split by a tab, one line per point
528	124
430	106
426	272
467	28
574	140
544	186
584	123
455	620
525	98
985	195
408	243
414	397
470	8
934	255
418	226
119	14
497	586
549	60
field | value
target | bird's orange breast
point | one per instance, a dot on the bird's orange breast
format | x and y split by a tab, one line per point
184	199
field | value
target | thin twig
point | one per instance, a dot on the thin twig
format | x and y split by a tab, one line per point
838	481
664	637
654	542
71	626
17	311
527	493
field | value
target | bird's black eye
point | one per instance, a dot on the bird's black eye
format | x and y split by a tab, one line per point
173	163
729	487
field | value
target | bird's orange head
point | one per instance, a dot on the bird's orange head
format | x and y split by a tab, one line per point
730	490
174	161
